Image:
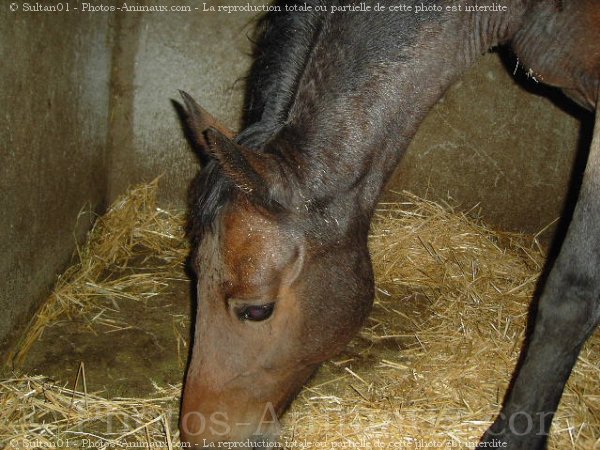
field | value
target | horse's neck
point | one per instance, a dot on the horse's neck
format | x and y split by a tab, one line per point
561	47
352	121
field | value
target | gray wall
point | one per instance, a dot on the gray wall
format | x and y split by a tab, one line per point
54	86
88	112
205	54
493	144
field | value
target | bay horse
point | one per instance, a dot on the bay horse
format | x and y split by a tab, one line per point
280	213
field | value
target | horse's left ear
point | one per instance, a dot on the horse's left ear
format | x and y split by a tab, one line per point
199	120
258	174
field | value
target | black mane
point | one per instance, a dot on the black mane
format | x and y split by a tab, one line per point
283	45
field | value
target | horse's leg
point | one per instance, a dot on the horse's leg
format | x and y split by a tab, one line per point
568	312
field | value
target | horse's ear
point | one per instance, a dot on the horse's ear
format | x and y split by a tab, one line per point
199	120
257	174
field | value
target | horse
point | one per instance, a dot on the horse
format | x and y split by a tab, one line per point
279	214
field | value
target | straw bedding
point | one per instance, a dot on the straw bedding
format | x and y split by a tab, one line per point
132	253
428	370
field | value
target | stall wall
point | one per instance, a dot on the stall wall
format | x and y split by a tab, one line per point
204	54
497	146
54	92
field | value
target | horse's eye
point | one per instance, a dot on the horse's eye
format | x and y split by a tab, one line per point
255	313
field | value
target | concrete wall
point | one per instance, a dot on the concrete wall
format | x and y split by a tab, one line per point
88	112
205	54
491	143
54	85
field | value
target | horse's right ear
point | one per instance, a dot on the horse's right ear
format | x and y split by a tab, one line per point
199	120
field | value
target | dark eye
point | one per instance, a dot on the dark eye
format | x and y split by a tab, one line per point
255	313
